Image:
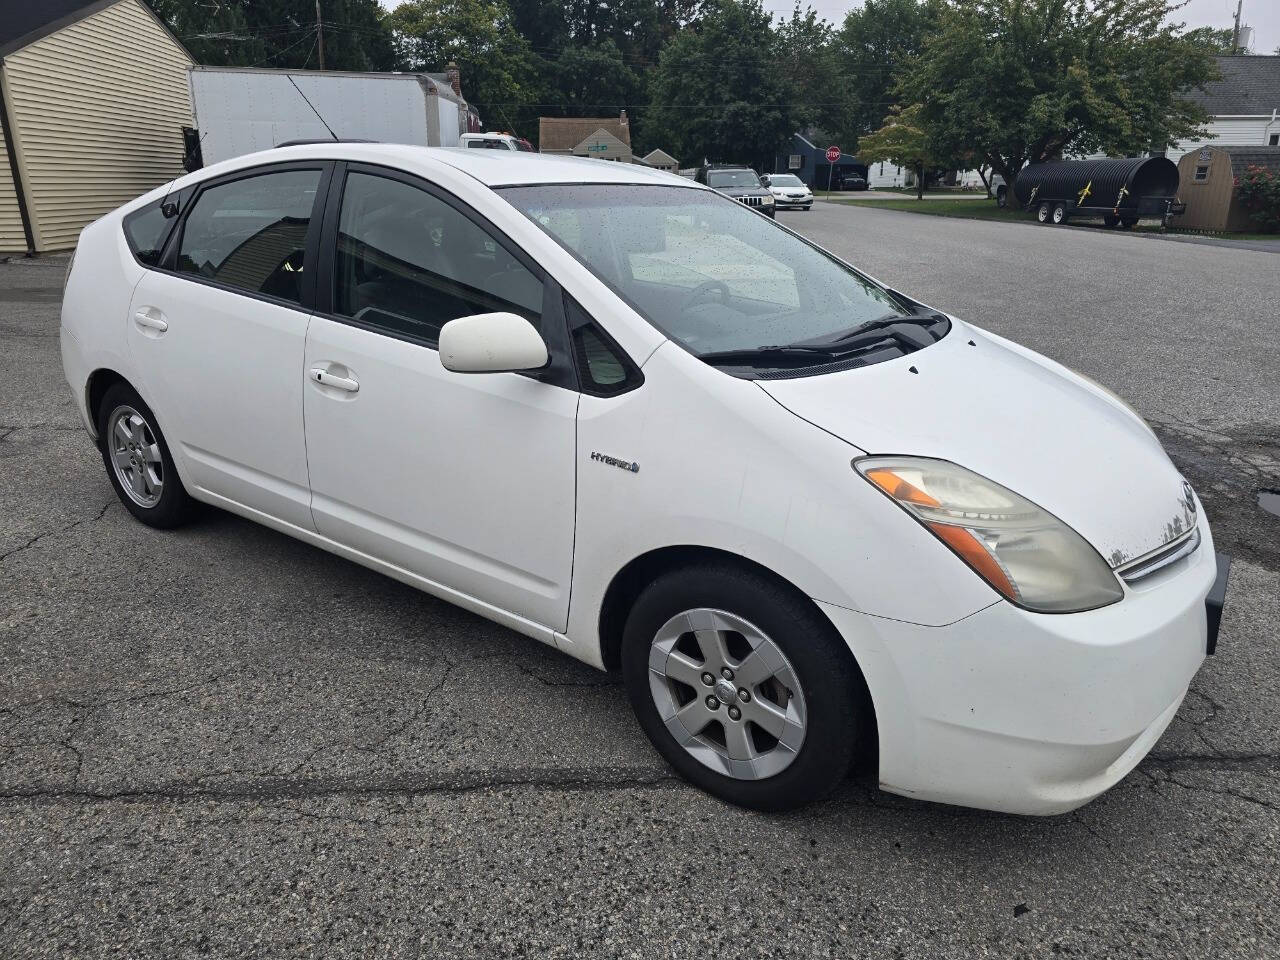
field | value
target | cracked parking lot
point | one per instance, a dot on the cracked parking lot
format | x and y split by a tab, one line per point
220	741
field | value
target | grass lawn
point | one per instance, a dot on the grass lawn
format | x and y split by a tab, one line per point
985	209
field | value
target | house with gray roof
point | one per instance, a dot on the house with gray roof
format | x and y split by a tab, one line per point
1243	107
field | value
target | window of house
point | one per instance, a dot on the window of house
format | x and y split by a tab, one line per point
408	262
252	233
1275	140
1202	173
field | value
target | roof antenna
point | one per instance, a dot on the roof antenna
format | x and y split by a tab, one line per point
313	109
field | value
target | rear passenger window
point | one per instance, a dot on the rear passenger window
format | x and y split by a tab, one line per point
408	263
251	234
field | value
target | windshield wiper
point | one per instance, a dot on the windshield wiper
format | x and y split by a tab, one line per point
860	333
753	356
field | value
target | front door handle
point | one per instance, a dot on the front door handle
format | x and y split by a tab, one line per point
152	319
327	379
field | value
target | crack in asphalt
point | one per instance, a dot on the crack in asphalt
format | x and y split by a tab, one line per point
1167	777
571	779
53	533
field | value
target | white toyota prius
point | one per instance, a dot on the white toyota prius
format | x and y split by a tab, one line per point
810	519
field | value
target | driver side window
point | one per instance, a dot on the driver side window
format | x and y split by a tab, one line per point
407	262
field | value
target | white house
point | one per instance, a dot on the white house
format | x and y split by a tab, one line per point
1243	107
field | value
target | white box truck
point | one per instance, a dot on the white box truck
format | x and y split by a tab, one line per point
240	110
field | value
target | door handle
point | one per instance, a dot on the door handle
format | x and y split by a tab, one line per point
151	319
327	379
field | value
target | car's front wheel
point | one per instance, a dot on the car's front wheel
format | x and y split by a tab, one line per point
138	461
744	687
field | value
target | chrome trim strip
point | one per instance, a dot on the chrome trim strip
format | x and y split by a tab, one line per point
1141	568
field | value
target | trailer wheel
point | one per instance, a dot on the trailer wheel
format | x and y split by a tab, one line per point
1111	220
1002	196
1060	213
1042	213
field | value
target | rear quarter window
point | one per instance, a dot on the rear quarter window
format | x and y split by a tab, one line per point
147	230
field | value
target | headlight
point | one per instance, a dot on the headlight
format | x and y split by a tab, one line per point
1027	554
768	200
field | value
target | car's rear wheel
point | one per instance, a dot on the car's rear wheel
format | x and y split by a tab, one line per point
138	461
743	686
1042	213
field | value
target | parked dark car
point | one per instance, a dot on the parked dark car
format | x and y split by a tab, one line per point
741	183
853	181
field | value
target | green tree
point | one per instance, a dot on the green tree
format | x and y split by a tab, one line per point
586	80
871	49
1217	40
1025	81
904	139
807	59
717	91
500	73
281	33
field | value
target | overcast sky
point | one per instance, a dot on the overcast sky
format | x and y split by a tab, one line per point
1262	15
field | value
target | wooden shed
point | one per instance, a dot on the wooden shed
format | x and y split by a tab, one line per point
1208	176
93	99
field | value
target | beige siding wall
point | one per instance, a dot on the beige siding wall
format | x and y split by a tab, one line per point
12	239
99	108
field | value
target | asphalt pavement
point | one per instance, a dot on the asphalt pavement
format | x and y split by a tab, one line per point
219	741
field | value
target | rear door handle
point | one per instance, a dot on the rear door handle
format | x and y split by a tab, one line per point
152	319
327	379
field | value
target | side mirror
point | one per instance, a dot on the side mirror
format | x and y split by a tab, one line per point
491	343
764	181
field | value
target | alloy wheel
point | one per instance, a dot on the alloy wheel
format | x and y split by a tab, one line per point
727	693
135	456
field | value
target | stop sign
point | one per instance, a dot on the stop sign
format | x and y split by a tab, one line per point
833	154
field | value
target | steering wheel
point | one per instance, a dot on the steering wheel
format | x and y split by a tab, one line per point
703	290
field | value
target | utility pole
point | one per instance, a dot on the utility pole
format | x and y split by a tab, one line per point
320	31
1235	33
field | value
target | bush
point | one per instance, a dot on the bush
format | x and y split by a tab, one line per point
1259	191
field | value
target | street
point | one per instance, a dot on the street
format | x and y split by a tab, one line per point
220	741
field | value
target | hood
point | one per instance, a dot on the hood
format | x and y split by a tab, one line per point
1016	418
788	191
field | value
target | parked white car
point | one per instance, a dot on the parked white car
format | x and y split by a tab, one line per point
810	519
493	141
789	191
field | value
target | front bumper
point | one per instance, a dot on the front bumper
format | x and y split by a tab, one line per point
1032	713
789	204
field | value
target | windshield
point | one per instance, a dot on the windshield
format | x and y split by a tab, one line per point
733	178
785	180
704	269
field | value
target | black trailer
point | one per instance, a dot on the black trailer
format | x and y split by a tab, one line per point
1119	190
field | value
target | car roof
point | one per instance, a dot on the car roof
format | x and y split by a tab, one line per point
494	168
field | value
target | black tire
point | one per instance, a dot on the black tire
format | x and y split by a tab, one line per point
1111	220
1043	213
1060	215
838	718
1002	197
173	505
